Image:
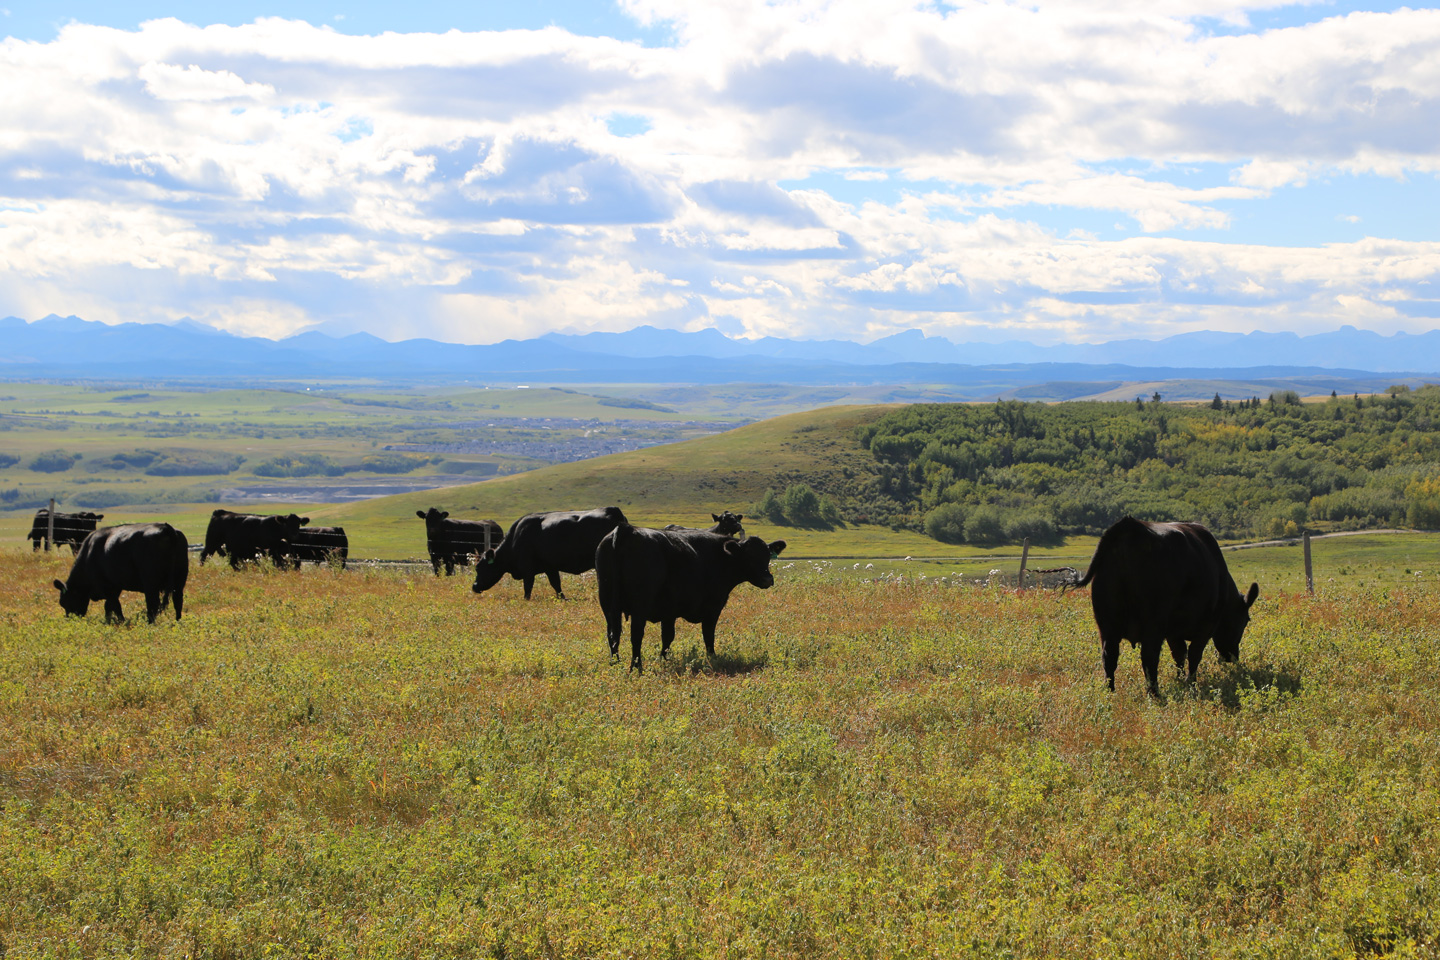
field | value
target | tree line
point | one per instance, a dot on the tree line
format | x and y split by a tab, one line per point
994	473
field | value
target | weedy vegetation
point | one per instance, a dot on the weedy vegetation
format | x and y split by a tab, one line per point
379	764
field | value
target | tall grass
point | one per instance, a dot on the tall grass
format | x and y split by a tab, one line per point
377	764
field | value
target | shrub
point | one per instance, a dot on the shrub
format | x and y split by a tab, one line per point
99	499
946	523
194	465
801	504
391	462
54	461
985	526
769	508
1035	525
1422	503
298	465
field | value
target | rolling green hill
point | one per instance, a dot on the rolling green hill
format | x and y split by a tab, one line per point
675	483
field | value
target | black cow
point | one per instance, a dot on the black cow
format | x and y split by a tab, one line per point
71	528
1157	583
152	558
727	524
245	536
548	543
318	545
454	542
659	576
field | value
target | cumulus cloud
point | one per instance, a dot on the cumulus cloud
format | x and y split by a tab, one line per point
276	175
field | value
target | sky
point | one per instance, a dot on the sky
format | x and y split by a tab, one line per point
1077	170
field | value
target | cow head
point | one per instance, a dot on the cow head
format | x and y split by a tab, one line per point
1233	622
72	601
728	524
432	516
291	524
92	516
754	555
488	570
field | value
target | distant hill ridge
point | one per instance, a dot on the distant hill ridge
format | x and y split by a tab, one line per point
70	346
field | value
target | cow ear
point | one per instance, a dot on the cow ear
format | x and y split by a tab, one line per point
715	517
444	514
776	548
59	586
739	517
1252	595
420	514
304	520
731	546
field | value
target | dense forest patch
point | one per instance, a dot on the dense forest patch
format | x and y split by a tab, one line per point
986	473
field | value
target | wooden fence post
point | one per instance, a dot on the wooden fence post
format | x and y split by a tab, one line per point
1024	557
1309	572
50	527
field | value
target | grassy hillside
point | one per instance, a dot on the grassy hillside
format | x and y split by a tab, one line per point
675	483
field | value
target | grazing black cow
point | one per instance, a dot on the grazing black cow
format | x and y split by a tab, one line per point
318	545
659	576
1157	583
244	536
455	542
562	541
727	524
151	558
71	528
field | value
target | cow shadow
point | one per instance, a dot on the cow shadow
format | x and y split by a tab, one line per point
1234	684
693	661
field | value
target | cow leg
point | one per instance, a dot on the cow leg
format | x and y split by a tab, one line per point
1150	662
637	637
554	577
667	637
529	585
113	611
1177	653
1197	650
178	598
152	605
707	631
1110	655
449	566
614	622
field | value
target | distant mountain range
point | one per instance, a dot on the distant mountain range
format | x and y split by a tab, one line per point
68	347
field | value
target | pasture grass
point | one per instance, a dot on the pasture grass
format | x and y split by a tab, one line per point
377	763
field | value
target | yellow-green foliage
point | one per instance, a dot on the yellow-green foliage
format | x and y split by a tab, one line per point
380	764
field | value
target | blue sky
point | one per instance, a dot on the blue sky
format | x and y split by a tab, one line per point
1063	171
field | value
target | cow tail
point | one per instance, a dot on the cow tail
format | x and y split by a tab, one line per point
1102	550
623	534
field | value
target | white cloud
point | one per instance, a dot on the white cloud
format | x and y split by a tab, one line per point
166	81
470	185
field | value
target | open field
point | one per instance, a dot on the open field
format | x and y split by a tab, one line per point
378	763
104	445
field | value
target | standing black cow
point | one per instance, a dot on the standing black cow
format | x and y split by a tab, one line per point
1159	583
71	528
152	558
548	543
659	576
727	524
244	536
454	542
318	545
